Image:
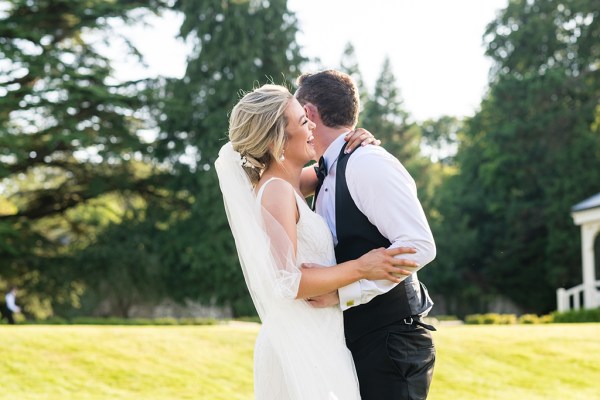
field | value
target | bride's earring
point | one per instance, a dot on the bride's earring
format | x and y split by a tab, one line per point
282	156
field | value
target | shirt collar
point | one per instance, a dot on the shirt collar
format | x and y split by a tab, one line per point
333	151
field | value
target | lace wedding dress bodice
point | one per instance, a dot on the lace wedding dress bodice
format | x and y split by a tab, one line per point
314	245
314	241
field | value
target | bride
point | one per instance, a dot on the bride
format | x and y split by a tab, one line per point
284	247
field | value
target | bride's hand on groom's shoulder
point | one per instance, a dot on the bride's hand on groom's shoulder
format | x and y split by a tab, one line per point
360	137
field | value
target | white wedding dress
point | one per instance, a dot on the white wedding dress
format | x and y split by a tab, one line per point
300	352
327	370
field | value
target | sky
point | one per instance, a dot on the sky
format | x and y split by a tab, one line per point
435	46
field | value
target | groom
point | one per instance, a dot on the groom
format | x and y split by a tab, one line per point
369	200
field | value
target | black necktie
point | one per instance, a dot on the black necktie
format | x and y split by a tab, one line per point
321	171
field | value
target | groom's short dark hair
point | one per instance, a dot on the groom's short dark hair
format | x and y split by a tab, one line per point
335	95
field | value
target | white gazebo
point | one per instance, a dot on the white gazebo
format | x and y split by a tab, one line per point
586	214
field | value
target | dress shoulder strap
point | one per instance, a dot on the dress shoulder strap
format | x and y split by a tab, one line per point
262	188
300	201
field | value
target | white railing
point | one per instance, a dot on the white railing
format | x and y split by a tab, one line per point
574	298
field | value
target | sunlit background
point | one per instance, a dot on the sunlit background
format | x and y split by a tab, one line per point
111	116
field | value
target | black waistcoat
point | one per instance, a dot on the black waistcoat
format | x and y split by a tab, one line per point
357	236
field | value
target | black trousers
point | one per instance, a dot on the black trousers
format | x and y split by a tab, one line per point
394	363
8	314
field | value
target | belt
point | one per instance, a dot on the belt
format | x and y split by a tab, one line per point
416	320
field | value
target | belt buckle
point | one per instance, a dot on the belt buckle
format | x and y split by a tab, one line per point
408	321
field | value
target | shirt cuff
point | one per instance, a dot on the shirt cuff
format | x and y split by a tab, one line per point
350	295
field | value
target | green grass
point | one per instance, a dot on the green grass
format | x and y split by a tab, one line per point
556	361
123	362
529	362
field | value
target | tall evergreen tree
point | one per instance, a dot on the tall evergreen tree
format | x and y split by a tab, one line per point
440	138
385	116
384	109
237	45
68	129
530	153
349	65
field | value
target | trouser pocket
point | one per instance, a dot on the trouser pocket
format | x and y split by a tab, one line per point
413	354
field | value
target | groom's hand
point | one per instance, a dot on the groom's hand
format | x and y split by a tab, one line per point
325	300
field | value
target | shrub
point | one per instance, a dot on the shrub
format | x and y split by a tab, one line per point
591	315
99	321
491	319
508	319
249	319
198	321
535	319
547	319
162	321
48	321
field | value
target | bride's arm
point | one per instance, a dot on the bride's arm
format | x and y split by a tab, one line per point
377	264
308	180
280	202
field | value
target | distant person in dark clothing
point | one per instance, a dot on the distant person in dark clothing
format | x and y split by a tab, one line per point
9	308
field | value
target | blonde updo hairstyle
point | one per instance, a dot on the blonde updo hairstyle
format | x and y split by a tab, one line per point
257	128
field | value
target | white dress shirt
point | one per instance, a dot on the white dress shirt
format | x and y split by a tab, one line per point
11	303
386	194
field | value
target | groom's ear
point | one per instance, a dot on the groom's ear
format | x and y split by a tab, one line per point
311	112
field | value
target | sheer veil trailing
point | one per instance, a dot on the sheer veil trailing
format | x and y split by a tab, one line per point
306	353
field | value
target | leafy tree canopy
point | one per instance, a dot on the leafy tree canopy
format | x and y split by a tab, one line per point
69	131
530	154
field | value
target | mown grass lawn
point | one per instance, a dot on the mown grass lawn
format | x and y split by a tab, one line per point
557	361
521	362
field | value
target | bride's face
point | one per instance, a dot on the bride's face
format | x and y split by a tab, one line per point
299	146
